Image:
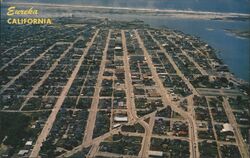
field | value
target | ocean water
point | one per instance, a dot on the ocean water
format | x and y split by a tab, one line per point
234	51
239	6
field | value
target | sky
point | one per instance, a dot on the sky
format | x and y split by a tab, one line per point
236	6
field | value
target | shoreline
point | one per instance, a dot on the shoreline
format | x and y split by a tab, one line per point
160	12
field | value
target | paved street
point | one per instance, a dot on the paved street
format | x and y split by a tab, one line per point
121	89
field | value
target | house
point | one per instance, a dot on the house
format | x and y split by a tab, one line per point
155	153
28	143
22	152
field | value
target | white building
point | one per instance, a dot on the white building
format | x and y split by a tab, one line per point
121	119
227	127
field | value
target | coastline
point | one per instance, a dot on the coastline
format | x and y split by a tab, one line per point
160	12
